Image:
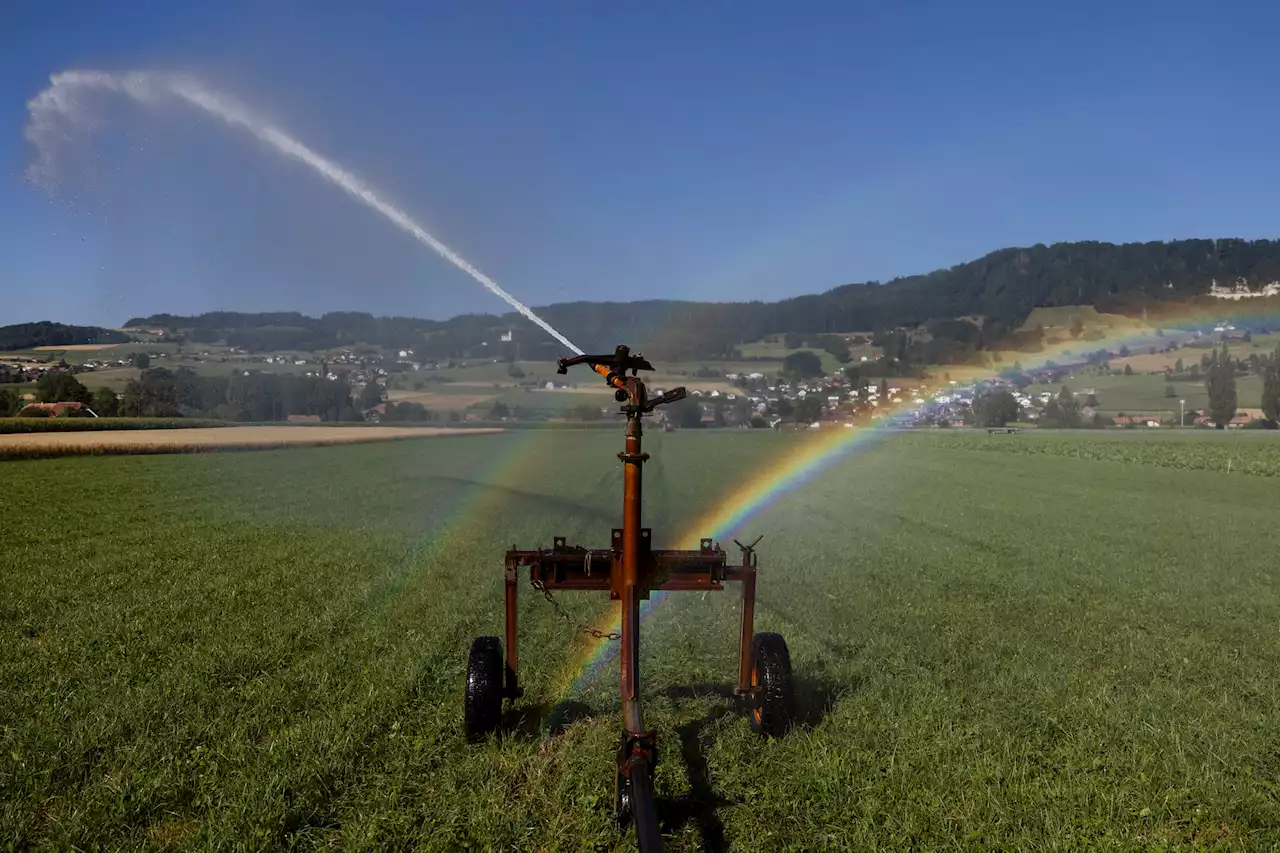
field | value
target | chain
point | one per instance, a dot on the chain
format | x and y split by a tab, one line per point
581	626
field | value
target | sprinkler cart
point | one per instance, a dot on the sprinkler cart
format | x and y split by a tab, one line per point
629	570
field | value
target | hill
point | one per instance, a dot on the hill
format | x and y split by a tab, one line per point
46	334
1159	280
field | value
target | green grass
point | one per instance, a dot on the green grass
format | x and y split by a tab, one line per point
996	651
1146	394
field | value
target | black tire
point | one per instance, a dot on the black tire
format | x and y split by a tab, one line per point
484	688
773	700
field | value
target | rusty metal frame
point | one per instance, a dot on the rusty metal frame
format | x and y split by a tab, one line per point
630	569
575	568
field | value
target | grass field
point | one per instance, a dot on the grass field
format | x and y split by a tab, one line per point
995	650
1136	393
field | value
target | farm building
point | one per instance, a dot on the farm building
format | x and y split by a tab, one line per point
55	410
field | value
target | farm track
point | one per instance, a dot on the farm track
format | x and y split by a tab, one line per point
39	445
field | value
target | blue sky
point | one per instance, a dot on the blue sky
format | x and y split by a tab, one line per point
706	150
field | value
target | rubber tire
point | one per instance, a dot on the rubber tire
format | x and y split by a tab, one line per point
773	703
483	708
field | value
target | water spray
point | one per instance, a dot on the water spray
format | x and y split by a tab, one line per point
60	108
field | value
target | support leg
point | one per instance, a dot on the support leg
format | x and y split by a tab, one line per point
512	690
748	624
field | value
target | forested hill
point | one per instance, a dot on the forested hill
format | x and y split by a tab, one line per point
1002	286
46	334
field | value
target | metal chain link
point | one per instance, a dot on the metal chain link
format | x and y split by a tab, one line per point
581	626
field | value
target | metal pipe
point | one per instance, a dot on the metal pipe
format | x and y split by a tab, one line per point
748	623
632	459
648	833
512	688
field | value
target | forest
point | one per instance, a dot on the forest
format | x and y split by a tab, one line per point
46	334
1158	279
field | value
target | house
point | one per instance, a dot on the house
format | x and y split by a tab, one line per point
1136	420
54	410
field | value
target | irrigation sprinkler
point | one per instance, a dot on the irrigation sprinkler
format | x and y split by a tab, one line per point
629	569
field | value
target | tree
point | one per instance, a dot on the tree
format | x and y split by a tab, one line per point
514	371
686	413
141	361
1177	365
808	409
1271	387
1063	411
835	345
1128	370
1077	326
1170	391
804	364
58	387
1221	385
105	403
10	403
371	396
884	391
996	408
1091	401
499	411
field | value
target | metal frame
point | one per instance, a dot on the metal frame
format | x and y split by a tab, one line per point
630	569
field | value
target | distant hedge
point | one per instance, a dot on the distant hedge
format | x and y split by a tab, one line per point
25	425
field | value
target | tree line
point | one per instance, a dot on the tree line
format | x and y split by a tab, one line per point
45	334
163	393
1156	278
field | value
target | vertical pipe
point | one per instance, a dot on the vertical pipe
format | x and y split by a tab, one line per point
513	685
748	622
632	459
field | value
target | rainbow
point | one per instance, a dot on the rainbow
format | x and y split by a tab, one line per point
801	462
798	465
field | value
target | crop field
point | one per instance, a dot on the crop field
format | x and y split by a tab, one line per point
995	649
88	442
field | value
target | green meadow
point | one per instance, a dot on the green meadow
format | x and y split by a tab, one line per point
998	645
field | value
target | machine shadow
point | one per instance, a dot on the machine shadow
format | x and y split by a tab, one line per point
701	805
532	721
815	694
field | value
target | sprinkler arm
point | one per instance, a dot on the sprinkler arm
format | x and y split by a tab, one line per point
614	367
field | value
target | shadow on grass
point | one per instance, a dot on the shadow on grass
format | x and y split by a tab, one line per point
534	720
544	502
702	804
815	695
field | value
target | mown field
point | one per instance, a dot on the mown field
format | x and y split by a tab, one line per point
995	650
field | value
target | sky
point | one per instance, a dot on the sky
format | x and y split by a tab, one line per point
608	151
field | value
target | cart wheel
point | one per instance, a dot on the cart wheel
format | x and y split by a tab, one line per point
771	680
622	799
484	687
